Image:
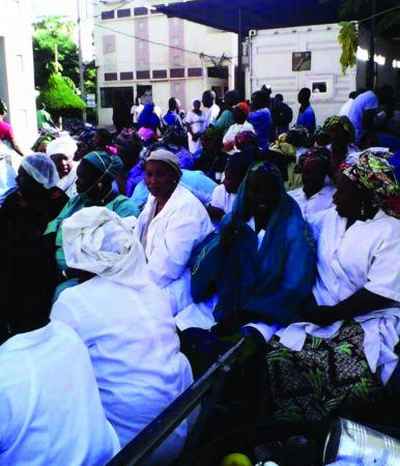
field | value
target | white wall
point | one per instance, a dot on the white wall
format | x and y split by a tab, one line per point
272	65
16	61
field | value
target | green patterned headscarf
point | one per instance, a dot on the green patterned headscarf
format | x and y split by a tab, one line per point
379	174
106	163
342	121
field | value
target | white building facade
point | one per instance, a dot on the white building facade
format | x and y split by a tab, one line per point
140	51
292	58
17	87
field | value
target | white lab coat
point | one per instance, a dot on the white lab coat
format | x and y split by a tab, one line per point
135	351
171	237
315	204
50	408
364	256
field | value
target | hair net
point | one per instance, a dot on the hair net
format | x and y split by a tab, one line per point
42	169
106	163
97	240
63	145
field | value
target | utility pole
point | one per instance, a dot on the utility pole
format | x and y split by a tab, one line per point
81	70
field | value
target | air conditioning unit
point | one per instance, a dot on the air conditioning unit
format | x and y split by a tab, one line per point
252	32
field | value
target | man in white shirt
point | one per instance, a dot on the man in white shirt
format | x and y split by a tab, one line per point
345	110
211	109
361	112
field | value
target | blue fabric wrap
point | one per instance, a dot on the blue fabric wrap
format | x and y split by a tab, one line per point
271	282
148	119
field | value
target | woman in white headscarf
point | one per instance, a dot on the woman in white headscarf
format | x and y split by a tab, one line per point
62	151
127	324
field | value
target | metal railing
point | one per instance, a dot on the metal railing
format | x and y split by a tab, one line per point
144	444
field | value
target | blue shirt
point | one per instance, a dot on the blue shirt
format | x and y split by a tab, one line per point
307	119
262	123
364	102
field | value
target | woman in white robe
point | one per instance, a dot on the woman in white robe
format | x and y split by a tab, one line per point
346	351
172	224
317	192
127	325
50	408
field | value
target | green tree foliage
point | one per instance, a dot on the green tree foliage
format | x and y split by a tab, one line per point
60	96
54	36
90	77
348	40
348	35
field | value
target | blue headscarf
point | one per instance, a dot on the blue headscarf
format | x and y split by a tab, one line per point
270	282
148	119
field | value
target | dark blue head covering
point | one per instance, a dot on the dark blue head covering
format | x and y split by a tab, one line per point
148	119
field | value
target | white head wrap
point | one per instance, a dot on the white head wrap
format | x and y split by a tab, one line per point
63	145
99	241
42	169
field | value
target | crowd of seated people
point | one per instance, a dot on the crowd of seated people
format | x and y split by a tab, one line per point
131	259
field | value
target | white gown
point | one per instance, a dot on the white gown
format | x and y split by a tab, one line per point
169	240
50	408
315	204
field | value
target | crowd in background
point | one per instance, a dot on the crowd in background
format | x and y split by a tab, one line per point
133	258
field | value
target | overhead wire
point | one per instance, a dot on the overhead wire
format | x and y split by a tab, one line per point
162	44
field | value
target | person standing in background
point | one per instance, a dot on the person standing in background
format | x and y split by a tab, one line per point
211	109
306	116
282	115
260	118
6	131
196	123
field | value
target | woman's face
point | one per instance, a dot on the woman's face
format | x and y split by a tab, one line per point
263	194
160	179
62	163
349	199
89	180
27	185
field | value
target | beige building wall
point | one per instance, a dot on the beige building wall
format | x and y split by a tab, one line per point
16	69
162	61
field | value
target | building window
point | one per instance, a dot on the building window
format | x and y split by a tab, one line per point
177	73
160	74
108	14
143	74
110	76
195	72
126	76
140	11
220	72
124	13
111	95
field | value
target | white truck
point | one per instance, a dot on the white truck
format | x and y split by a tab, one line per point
292	58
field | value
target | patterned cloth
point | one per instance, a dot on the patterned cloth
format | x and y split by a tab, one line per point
378	173
327	377
342	121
